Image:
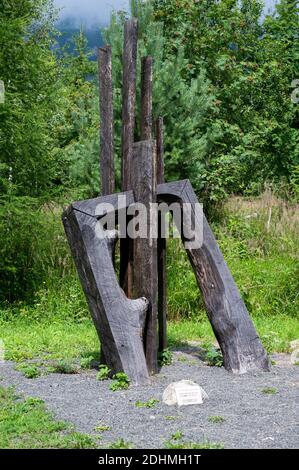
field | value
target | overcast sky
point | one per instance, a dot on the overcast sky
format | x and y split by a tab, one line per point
98	11
90	11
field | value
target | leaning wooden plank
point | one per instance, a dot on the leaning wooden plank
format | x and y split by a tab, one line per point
118	320
145	276
239	342
106	117
162	273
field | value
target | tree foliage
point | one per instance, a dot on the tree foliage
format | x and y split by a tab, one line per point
250	64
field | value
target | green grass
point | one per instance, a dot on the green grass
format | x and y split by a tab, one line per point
120	381
121	444
276	331
29	371
56	339
151	403
66	340
270	391
216	419
193	445
64	367
25	424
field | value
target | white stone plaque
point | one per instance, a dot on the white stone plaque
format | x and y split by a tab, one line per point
188	394
185	392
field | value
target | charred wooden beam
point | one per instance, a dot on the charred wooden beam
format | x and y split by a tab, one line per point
162	273
128	124
119	321
107	121
146	123
145	276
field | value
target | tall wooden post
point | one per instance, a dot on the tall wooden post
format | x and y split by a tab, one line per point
162	273
107	122
145	249
128	99
128	123
146	98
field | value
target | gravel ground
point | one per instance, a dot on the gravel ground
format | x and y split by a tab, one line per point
253	419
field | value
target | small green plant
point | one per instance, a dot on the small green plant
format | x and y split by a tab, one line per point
269	390
86	362
165	357
151	403
216	419
103	373
120	381
29	371
120	444
193	445
172	418
182	359
65	367
177	436
214	357
102	428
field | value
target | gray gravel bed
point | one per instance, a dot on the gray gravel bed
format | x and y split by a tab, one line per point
253	419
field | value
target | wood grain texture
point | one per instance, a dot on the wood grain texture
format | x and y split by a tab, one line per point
233	328
145	280
119	321
128	124
128	99
107	121
161	248
239	342
146	121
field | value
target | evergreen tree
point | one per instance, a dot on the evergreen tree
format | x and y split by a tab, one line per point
28	70
253	138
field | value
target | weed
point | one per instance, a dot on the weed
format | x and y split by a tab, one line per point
182	359
86	362
29	371
120	381
216	419
172	418
177	436
214	357
151	403
64	367
269	391
103	373
102	428
165	357
193	445
120	444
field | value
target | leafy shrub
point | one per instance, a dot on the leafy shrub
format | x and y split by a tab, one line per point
214	357
103	373
65	367
151	403
29	371
165	357
120	381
